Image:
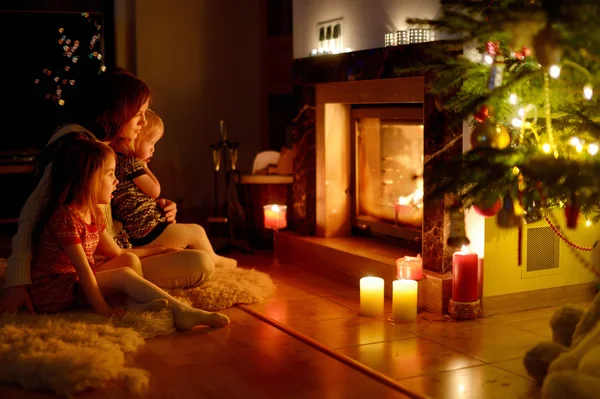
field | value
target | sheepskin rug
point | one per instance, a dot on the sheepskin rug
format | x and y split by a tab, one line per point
227	288
70	352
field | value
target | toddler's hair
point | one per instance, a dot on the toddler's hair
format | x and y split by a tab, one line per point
153	123
76	179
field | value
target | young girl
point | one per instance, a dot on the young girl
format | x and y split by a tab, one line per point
134	201
70	230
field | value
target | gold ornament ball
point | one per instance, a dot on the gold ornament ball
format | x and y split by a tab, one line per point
488	134
546	45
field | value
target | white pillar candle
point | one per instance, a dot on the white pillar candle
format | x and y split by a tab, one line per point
371	296
404	301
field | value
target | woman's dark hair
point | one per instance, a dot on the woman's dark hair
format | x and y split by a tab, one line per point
108	101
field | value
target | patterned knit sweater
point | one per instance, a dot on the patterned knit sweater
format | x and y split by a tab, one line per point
136	210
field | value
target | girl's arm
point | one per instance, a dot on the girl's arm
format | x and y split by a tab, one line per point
109	248
148	183
87	280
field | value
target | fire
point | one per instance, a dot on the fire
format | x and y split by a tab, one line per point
416	198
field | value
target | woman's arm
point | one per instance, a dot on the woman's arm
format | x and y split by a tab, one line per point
109	248
148	183
19	263
87	280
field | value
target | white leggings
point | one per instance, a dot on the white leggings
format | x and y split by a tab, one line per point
180	269
126	280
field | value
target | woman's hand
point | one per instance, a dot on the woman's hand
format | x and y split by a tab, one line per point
15	298
169	209
166	250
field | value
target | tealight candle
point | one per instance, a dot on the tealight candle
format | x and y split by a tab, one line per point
404	301
409	268
371	296
403	209
465	267
275	216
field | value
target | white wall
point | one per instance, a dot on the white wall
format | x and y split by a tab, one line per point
201	60
365	22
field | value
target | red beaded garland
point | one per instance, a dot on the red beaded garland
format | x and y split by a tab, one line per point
566	240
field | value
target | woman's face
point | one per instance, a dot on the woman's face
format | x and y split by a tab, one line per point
132	128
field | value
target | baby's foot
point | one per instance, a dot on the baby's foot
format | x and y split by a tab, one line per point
223	262
187	318
154	305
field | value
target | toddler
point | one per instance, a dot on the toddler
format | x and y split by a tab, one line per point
134	202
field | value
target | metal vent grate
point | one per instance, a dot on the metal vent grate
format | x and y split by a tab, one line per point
542	249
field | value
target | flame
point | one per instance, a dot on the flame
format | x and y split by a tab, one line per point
416	198
464	248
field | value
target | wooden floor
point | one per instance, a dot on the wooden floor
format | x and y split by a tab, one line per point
253	359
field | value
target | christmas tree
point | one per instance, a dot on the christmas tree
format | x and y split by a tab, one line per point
529	95
76	55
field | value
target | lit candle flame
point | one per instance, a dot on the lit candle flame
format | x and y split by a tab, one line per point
464	248
275	208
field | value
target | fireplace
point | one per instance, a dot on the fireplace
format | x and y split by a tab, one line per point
342	94
387	170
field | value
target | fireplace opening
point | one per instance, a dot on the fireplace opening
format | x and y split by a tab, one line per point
387	156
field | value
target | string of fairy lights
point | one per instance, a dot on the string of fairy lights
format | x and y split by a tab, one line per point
56	82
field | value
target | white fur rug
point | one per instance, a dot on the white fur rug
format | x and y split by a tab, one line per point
73	351
227	288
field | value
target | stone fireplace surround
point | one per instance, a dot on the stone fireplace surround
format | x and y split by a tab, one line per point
320	212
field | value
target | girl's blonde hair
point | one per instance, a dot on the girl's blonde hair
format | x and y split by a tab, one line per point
76	180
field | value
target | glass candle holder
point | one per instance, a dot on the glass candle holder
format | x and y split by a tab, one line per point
275	218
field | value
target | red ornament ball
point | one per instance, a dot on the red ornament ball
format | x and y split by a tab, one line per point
571	214
482	114
488	210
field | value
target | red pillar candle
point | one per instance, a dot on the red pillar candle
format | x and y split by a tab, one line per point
465	267
275	216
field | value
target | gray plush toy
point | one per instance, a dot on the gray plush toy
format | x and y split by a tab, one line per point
569	365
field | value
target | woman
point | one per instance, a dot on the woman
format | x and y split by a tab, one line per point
111	110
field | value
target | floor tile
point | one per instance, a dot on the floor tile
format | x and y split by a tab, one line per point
540	326
490	343
409	357
349	331
291	312
515	366
314	283
473	383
